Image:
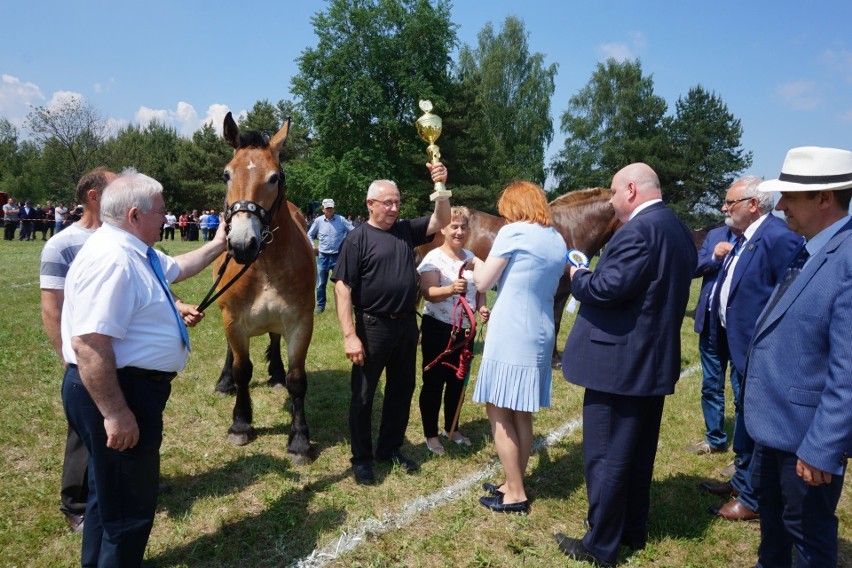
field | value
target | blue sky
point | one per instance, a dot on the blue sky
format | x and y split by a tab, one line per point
784	68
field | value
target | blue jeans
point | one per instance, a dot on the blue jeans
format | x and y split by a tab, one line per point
325	264
713	391
743	448
122	485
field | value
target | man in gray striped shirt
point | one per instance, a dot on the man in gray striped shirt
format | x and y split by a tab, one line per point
56	258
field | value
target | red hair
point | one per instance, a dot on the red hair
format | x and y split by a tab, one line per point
524	201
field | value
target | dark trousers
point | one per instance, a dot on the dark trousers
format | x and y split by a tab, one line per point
620	435
439	381
390	345
9	230
169	233
122	485
794	515
74	491
26	231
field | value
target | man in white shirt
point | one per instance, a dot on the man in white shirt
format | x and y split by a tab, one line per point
124	341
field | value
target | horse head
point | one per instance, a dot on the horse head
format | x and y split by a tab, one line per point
255	191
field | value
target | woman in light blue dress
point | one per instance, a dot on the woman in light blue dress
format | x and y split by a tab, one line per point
526	261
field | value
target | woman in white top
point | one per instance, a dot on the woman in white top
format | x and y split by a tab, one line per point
441	285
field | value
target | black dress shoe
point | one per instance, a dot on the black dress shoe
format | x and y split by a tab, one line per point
491	489
396	458
721	489
363	473
496	504
573	548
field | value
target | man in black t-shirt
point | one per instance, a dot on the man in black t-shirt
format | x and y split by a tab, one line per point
375	275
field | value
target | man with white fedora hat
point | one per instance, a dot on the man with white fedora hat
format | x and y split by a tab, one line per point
330	229
798	387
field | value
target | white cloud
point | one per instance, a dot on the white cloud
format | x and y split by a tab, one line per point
799	95
216	116
16	99
145	116
103	88
60	97
185	118
623	51
618	51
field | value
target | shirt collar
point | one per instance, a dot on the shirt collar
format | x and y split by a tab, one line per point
130	239
820	239
644	206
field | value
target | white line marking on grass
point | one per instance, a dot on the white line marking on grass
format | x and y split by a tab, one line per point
351	539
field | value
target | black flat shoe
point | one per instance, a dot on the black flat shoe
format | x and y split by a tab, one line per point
363	474
491	489
495	503
573	548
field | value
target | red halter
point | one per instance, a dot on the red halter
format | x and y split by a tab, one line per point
461	311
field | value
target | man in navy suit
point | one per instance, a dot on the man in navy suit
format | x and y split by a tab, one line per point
716	246
749	274
798	388
625	349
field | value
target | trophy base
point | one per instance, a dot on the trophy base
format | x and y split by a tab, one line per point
440	193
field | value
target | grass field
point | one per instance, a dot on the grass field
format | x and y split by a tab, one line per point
249	506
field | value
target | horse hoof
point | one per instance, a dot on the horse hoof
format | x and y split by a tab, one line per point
240	439
299	459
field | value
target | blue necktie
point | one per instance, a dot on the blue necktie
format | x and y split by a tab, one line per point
158	270
790	274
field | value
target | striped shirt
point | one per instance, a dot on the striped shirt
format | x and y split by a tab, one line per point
57	255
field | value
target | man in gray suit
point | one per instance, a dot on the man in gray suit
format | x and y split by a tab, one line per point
798	386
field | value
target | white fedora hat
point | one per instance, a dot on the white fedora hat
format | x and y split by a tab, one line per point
811	168
326	203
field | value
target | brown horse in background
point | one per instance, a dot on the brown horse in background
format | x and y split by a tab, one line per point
276	293
584	218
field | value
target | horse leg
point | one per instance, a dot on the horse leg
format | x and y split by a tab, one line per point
299	441
563	292
277	375
241	431
225	384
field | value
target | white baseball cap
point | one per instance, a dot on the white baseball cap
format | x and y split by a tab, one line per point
326	203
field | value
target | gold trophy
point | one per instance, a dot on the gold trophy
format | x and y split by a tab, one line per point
429	129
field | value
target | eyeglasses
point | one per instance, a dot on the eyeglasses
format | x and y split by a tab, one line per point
731	202
388	203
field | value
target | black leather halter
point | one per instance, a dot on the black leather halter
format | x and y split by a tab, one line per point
265	217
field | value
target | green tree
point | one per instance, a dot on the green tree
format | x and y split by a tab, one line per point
72	132
199	167
263	117
359	87
614	120
513	89
707	152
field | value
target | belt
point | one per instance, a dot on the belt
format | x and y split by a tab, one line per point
397	315
153	376
329	253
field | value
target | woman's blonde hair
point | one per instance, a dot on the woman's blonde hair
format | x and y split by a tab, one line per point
460	212
524	201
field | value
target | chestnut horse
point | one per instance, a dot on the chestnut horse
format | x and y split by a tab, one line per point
584	218
276	293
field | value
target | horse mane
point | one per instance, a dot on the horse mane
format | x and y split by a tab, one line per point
582	195
253	139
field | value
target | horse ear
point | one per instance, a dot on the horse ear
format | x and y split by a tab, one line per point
278	140
231	131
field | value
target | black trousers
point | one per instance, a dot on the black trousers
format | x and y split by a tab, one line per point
390	345
793	515
9	228
440	381
620	435
74	490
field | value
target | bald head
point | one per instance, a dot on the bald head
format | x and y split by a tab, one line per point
632	186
